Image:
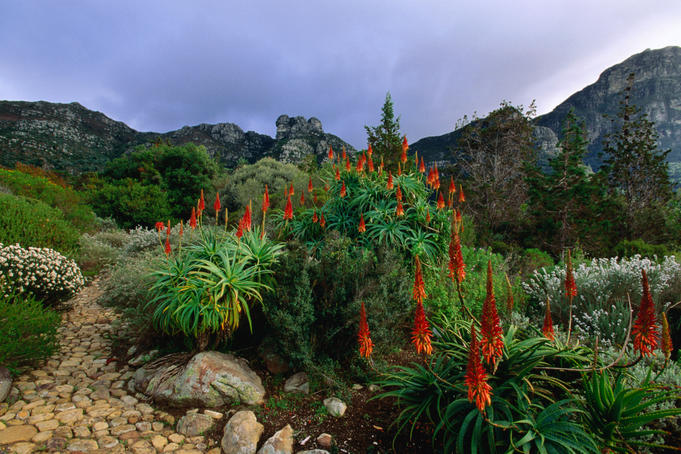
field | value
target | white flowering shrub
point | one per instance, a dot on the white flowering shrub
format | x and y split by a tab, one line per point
41	272
141	239
600	308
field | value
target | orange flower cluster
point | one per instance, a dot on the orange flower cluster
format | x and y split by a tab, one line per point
400	209
419	290
366	346
547	329
288	211
343	191
570	286
440	201
479	391
491	341
405	146
421	334
192	219
362	227
457	268
216	204
645	328
330	152
389	186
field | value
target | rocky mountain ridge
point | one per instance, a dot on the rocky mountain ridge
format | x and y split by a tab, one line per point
73	138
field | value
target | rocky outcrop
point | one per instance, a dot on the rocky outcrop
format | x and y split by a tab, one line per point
75	139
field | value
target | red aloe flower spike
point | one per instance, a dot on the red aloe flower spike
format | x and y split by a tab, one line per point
348	167
462	198
330	152
160	226
360	164
288	211
291	191
302	199
399	169
452	187
370	151
322	221
427	215
265	200
168	229
421	334
390	181
429	178
666	342
310	188
491	340
167	247
202	203
314	199
457	268
419	291
216	204
337	177
479	391
547	329
314	217
400	209
345	155
181	228
343	191
436	178
192	219
422	166
645	328
366	346
240	229
247	218
405	146
362	227
440	201
370	162
570	286
398	193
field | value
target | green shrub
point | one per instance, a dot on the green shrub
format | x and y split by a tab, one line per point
62	197
313	312
533	259
41	272
28	331
33	223
131	203
95	254
626	248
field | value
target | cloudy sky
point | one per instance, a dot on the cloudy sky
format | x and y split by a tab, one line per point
160	65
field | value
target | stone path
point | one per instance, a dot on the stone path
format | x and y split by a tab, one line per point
79	400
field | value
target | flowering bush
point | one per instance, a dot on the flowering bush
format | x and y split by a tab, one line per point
600	306
42	272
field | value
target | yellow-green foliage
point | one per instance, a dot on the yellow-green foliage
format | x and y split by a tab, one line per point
31	222
63	198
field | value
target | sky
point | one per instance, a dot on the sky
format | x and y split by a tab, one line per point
160	65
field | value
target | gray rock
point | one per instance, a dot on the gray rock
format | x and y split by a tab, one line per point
297	383
193	424
314	451
279	443
209	379
242	433
143	358
335	406
5	383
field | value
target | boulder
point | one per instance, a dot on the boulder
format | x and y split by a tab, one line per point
335	406
279	443
209	379
193	424
5	383
297	383
242	433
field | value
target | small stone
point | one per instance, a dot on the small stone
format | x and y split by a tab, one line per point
70	416
107	442
325	440
82	445
373	388
81	432
48	425
159	442
314	451
213	414
297	383
17	433
129	400
56	444
357	387
171	447
142	447
193	424
279	443
335	406
101	425
157	426
241	433
63	432
176	438
42	437
23	448
145	408
120	430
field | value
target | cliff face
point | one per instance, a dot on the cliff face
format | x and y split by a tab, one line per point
656	90
72	138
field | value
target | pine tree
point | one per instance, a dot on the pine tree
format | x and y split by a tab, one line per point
637	170
385	139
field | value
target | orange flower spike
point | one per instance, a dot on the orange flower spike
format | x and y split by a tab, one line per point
370	162
161	226
366	346
314	217
400	209
310	188
457	267
265	200
343	191
398	194
216	204
440	201
405	146
322	221
240	229
360	164
421	333
202	202
399	169
570	286
644	331
348	167
459	218
462	197
452	187
370	151
168	229
479	391
247	218
666	342
167	246
431	177
192	219
288	211
344	155
427	215
330	152
491	340
337	174
362	227
302	199
419	290
422	166
291	191
181	228
547	329
390	181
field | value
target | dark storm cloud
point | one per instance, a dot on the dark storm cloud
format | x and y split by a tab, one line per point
161	65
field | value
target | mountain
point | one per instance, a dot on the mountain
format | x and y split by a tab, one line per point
72	138
656	90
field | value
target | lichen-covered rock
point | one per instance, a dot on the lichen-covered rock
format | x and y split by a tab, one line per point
5	383
209	379
297	383
193	424
241	434
335	406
